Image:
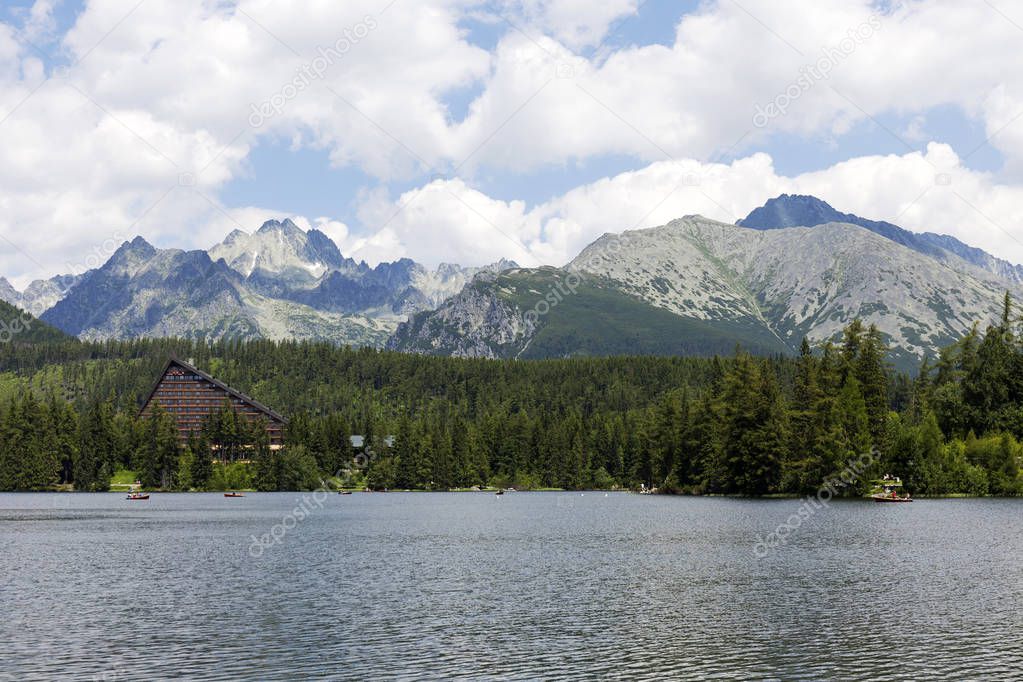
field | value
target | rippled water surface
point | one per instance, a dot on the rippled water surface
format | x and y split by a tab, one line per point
522	586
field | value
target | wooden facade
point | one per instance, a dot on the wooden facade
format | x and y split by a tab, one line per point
191	396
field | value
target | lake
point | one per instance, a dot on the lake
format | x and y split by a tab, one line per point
609	586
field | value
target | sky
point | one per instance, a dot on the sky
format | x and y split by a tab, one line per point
465	131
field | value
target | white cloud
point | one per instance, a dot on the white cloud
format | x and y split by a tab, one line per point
448	221
152	118
39	26
921	192
575	23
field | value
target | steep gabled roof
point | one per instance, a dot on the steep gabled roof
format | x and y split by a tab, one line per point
173	361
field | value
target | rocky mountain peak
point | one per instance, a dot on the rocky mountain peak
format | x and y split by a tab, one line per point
235	235
139	243
130	255
8	293
274	225
793	210
277	248
327	251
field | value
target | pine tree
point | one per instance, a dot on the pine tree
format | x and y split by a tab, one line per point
405	456
872	375
666	440
704	441
268	475
27	460
9	433
443	469
802	470
92	470
60	443
202	461
929	471
159	456
755	428
852	342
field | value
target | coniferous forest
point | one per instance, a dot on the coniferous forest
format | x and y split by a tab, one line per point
738	425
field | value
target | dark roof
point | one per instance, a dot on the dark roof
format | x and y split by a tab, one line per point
216	382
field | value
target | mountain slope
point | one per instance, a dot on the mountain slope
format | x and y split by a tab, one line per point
18	326
40	295
8	294
697	286
144	291
500	317
789	210
797	282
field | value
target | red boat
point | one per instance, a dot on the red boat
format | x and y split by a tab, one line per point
134	492
233	495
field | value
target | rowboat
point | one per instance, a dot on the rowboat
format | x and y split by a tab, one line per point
135	492
233	495
881	498
886	490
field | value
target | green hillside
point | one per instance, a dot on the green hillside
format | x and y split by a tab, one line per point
597	320
18	327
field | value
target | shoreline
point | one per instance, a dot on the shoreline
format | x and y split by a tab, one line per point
120	489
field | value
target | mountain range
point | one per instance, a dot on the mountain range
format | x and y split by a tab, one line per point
765	284
278	282
793	268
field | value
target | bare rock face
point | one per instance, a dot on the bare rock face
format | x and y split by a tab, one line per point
8	293
279	282
723	285
40	295
791	210
800	282
476	323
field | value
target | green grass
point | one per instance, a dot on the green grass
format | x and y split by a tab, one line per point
123	478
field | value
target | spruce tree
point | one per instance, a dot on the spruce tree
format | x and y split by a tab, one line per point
872	375
92	470
405	456
202	461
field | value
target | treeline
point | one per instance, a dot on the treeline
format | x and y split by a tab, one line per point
739	425
48	444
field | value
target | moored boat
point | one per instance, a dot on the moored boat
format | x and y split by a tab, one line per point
135	492
887	490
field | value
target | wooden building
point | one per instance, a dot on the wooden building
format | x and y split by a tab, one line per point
191	396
